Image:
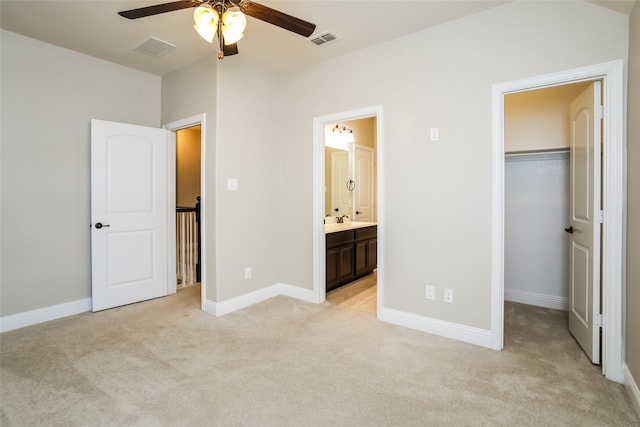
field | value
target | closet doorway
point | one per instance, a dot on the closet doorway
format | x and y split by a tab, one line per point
538	135
613	183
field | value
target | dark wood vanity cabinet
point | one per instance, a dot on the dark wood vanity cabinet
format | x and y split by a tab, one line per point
340	266
366	255
350	254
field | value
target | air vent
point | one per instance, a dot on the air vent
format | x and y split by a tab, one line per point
154	47
324	38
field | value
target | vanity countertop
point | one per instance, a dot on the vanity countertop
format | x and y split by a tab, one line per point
335	227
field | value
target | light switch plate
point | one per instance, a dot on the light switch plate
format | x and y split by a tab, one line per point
430	292
435	134
232	184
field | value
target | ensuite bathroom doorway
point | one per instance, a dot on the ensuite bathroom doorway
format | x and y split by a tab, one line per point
350	211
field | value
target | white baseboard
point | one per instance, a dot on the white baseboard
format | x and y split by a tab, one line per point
468	334
539	300
632	388
246	300
33	317
297	293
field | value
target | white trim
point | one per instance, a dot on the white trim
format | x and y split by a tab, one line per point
255	297
199	119
319	268
41	315
632	389
456	331
614	201
296	292
539	300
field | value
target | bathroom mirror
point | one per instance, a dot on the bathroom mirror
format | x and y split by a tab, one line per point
350	157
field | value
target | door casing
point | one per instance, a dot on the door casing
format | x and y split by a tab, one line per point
614	203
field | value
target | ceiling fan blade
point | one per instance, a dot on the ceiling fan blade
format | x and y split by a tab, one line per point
277	18
157	9
230	49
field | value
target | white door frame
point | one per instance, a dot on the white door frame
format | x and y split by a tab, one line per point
319	260
188	122
614	203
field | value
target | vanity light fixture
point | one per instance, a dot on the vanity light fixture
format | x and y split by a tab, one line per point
338	137
344	133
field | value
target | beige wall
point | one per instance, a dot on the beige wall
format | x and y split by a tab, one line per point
441	78
48	96
182	99
633	199
539	119
188	166
248	136
437	203
242	132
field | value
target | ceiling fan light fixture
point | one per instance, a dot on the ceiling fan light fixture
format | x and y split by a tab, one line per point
234	23
206	21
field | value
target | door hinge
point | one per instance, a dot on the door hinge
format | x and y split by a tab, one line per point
597	321
600	216
599	112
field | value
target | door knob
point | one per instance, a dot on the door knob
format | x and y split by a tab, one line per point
99	225
569	230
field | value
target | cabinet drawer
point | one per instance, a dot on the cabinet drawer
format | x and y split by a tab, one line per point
339	238
366	233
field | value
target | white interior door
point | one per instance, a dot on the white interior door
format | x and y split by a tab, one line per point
129	212
340	194
363	193
586	217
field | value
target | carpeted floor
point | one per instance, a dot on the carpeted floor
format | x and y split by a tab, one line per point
289	363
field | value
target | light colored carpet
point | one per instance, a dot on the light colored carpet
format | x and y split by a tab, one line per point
289	363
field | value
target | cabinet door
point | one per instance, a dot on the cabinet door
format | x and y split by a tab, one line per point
333	268
347	271
362	249
372	254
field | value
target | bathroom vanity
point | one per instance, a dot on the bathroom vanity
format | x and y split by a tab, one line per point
351	252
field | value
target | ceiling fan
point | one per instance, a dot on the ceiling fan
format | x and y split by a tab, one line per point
225	19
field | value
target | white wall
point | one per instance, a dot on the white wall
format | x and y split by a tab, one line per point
437	195
49	95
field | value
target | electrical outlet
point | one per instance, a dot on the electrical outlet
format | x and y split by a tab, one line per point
247	273
448	296
430	292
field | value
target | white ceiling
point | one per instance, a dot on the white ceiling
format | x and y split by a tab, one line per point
93	27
